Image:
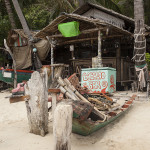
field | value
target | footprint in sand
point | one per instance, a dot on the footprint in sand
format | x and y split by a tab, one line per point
1	141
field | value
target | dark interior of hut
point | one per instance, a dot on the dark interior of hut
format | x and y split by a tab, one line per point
83	53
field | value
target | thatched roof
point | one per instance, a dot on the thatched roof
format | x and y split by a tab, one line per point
88	28
13	34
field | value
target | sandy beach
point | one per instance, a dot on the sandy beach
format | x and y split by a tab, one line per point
129	132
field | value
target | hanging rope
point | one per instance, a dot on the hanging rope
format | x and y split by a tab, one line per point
136	36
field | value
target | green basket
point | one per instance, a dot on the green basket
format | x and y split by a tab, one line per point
69	29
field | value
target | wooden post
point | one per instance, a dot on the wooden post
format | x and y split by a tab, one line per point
62	126
14	63
72	51
118	61
52	59
54	93
37	105
99	65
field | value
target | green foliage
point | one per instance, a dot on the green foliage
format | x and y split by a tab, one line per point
147	55
56	7
37	17
127	8
4	28
39	13
110	4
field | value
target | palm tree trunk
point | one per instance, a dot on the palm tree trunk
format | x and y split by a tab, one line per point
22	19
140	42
10	14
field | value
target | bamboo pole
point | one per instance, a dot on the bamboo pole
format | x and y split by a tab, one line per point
74	90
99	65
52	60
67	88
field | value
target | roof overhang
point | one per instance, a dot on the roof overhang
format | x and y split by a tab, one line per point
88	29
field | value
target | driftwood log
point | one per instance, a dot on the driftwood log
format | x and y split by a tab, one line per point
62	126
37	105
14	62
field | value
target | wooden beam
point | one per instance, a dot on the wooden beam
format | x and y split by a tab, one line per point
82	32
54	91
87	39
16	99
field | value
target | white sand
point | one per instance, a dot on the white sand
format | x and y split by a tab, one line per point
130	132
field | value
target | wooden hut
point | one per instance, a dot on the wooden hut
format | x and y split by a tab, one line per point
116	43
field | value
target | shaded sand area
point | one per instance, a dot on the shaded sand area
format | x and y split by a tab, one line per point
130	132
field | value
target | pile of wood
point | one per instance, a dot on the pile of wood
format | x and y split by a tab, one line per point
70	92
100	101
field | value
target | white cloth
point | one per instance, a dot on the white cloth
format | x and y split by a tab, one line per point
141	76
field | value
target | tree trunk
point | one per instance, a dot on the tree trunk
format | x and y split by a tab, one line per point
26	30
10	14
140	42
22	19
37	106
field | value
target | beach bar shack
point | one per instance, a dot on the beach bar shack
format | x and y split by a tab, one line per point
105	39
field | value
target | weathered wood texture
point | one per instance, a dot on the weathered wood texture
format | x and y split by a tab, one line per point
14	62
16	99
58	70
37	106
103	16
99	65
10	14
62	126
118	62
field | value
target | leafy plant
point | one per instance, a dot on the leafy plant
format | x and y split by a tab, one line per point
147	55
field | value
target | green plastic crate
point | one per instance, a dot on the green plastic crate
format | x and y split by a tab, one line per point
69	29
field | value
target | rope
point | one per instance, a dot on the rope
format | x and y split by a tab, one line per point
139	48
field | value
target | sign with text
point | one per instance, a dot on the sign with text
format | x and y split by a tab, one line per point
99	79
